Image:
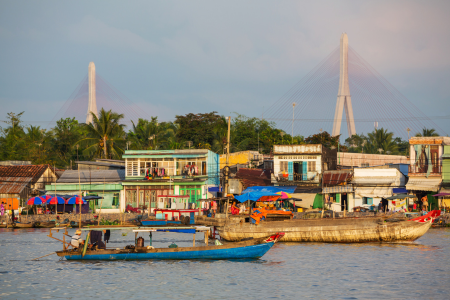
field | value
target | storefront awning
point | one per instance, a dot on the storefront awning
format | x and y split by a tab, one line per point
375	180
374	192
338	189
423	184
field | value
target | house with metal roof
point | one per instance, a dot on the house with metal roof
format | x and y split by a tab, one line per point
153	173
103	183
20	182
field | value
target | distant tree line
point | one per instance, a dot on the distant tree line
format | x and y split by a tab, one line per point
106	137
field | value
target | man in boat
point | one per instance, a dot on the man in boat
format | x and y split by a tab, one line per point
96	240
76	241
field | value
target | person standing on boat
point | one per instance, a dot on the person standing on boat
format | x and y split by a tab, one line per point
214	208
76	240
2	209
425	203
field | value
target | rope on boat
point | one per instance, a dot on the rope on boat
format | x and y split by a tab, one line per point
44	256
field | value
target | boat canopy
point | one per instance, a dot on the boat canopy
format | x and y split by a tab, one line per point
269	190
401	196
253	196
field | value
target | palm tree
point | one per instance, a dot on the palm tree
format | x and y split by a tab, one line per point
105	135
380	139
167	136
34	138
220	135
144	135
427	132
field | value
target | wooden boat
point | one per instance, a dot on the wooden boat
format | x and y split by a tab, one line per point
249	249
49	224
329	230
22	225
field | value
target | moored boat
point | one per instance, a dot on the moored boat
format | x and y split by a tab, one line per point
22	225
330	230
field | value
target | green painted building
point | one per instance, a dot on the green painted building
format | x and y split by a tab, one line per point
152	174
103	183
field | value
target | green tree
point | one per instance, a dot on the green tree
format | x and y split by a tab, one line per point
198	128
36	139
12	143
380	141
144	134
427	132
66	135
105	135
355	143
326	140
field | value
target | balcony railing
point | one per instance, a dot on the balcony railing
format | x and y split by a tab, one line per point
310	176
418	169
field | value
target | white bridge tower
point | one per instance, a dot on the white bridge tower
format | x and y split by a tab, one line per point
344	99
92	105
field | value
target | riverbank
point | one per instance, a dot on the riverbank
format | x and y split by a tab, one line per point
124	217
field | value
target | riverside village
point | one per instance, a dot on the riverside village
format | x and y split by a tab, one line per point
224	152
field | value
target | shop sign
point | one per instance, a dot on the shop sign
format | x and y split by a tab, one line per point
295	157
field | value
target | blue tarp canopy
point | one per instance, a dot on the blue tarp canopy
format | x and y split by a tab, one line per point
253	196
269	190
253	193
399	191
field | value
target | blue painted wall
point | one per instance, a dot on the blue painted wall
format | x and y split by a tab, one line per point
212	161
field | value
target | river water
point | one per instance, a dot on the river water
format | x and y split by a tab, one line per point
420	270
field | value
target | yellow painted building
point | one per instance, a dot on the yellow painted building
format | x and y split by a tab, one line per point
242	158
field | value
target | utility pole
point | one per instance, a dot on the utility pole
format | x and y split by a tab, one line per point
104	145
79	186
226	166
293	108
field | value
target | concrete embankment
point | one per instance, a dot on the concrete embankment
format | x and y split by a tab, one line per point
72	217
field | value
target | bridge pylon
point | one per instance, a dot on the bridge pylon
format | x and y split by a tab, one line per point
344	100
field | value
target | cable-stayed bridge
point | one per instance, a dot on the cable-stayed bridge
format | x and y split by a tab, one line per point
367	99
94	93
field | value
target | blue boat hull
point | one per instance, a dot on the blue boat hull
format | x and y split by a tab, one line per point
162	222
245	252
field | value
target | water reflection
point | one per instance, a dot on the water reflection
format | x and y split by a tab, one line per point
288	270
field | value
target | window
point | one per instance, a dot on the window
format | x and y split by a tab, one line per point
367	201
132	167
311	166
283	166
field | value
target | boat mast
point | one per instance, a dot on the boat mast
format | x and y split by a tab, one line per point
227	169
79	186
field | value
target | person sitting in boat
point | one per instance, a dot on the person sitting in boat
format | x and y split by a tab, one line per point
76	241
234	209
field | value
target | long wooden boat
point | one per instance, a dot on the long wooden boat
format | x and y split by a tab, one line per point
22	225
250	249
39	224
330	230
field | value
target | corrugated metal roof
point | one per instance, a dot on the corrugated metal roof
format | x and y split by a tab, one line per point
13	185
331	178
71	176
253	177
33	171
106	164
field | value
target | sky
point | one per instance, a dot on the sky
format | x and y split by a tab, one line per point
177	57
